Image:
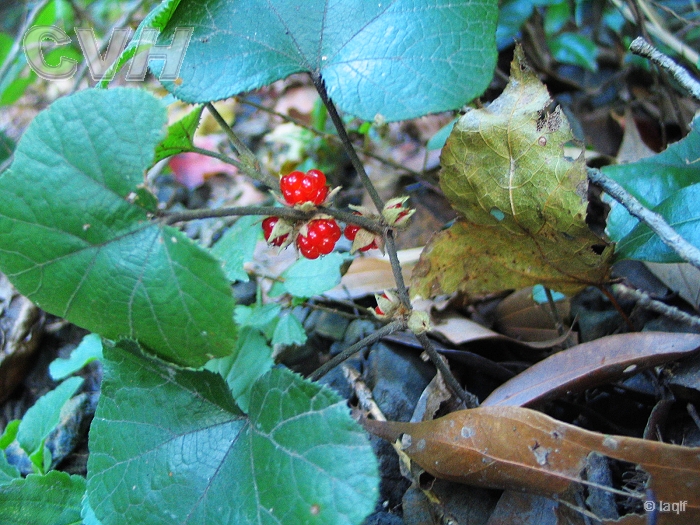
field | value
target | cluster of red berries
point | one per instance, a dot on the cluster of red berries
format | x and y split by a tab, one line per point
318	236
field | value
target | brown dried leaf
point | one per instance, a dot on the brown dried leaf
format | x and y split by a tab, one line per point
590	364
520	449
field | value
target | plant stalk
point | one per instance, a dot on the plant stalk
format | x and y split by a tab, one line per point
385	330
248	161
656	222
345	140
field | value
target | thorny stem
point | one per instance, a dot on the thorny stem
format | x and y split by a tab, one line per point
347	143
656	222
385	330
248	161
641	47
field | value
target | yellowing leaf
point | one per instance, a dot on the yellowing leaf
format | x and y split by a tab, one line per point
523	202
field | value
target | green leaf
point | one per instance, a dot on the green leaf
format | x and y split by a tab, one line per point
87	513
576	49
236	247
72	240
7	472
180	135
251	361
9	434
523	203
438	140
300	458
52	499
289	331
310	277
257	316
89	349
401	59
682	212
654	179
44	415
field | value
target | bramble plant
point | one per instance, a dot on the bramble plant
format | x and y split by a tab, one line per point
195	424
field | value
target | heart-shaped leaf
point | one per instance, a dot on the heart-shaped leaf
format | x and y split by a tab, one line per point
76	236
523	202
400	58
297	458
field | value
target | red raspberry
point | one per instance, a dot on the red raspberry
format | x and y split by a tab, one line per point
351	232
320	239
267	226
298	187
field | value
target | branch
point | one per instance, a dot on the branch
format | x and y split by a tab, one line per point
641	47
385	330
470	401
274	211
645	301
656	222
347	143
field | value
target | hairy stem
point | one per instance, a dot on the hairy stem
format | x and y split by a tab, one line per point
470	401
385	330
347	143
656	222
248	161
641	47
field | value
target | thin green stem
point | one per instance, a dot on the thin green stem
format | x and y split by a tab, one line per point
248	161
17	45
329	136
385	330
345	140
220	156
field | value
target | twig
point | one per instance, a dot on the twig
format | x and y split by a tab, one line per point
347	143
329	136
206	213
656	222
554	312
661	33
470	400
641	47
17	45
363	393
388	329
645	301
123	21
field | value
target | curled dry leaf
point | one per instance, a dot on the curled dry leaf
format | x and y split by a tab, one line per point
590	364
520	449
